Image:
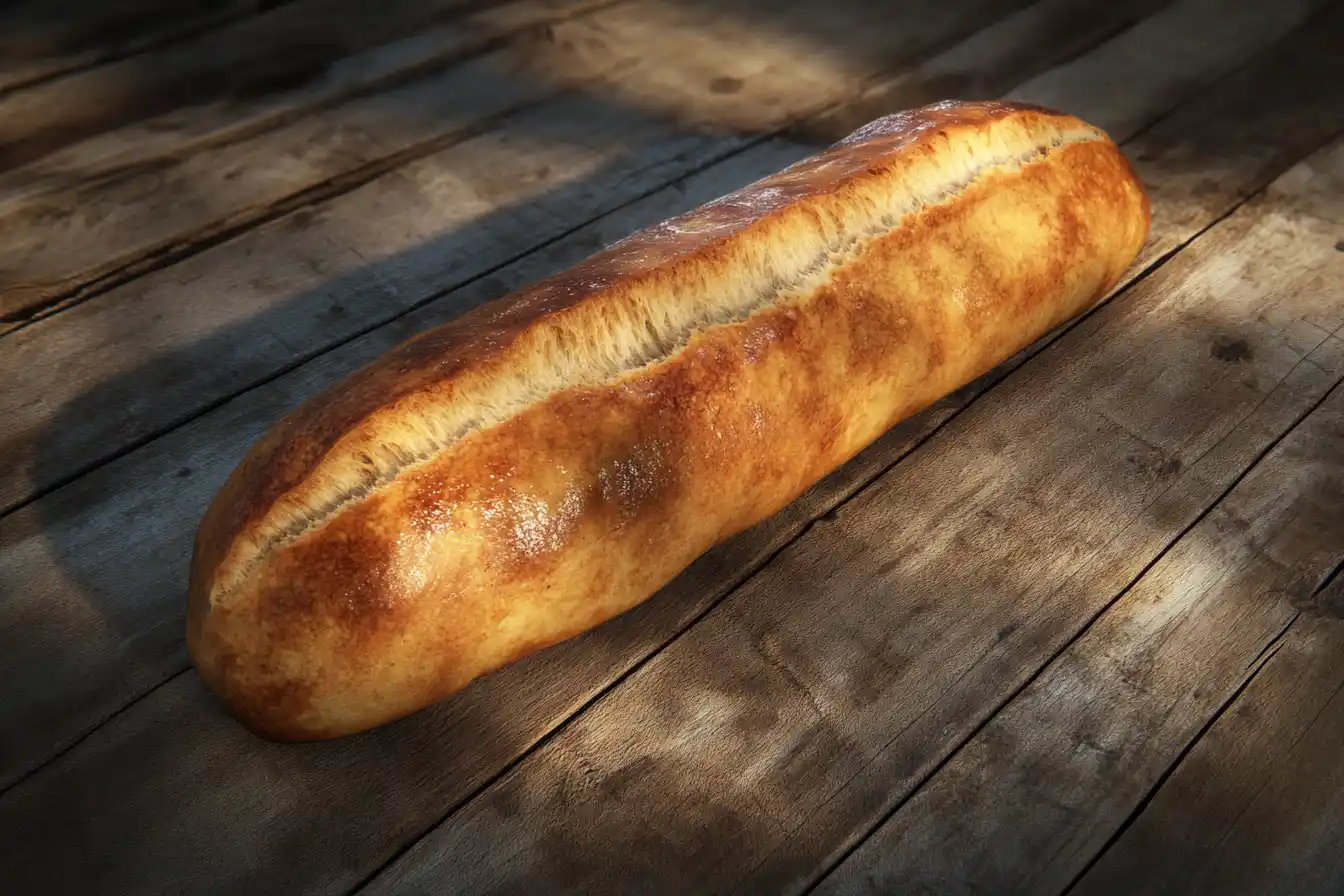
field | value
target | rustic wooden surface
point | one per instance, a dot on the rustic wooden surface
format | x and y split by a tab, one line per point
1076	628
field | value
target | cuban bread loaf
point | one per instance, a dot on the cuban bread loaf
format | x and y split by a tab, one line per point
545	462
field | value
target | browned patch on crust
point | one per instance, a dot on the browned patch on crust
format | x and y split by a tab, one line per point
346	571
248	684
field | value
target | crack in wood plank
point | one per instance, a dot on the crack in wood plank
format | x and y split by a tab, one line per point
1329	578
1137	863
1254	669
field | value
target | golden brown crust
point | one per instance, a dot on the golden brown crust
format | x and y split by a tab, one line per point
330	594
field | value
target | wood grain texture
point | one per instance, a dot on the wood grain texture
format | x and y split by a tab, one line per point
751	66
285	45
179	132
1032	40
99	232
1035	795
104	614
1209	37
1255	806
750	753
42	39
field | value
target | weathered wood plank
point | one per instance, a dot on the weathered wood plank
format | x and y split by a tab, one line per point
91	236
283	46
1255	807
750	66
1210	36
182	131
749	754
1035	39
389	786
230	317
1034	796
42	39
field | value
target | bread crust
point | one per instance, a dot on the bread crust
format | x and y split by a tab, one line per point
544	463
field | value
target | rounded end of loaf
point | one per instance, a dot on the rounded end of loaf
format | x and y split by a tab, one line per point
303	643
285	688
237	661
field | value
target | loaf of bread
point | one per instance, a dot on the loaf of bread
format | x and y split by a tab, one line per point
544	463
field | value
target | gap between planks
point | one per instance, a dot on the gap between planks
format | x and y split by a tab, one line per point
1259	663
250	56
41	70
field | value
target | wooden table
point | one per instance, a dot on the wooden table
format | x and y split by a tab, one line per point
1075	629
